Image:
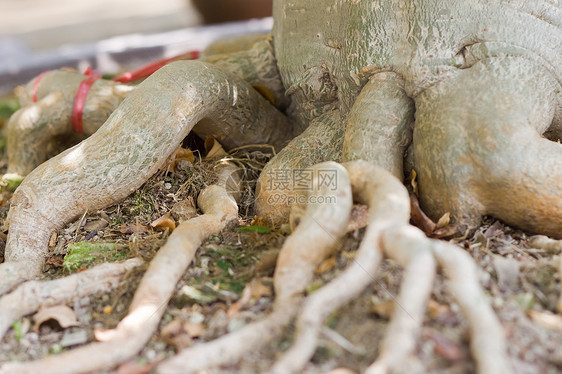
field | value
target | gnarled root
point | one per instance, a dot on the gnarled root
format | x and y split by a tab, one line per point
483	153
153	293
31	296
389	233
313	240
47	101
32	129
134	142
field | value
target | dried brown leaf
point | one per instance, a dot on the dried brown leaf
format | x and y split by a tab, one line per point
53	240
419	218
255	289
136	228
164	223
436	310
134	367
194	330
62	314
444	346
56	261
175	334
384	309
546	319
184	210
180	154
359	217
213	148
266	261
443	221
97	225
326	265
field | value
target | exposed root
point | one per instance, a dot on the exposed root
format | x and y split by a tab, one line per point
13	274
31	296
559	306
153	293
312	241
389	232
488	343
411	249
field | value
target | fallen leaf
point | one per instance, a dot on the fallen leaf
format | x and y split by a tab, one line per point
359	217
62	314
184	210
266	261
96	225
446	232
444	346
384	309
213	148
180	154
419	218
325	265
495	230
194	330
261	287
413	181
56	261
53	240
164	223
436	310
134	367
236	307
255	289
174	333
137	228
443	221
546	319
265	92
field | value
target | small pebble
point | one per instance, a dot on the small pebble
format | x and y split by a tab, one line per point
74	338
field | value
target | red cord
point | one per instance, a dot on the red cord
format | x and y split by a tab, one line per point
149	69
80	99
36	85
92	77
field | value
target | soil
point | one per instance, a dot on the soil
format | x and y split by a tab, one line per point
522	282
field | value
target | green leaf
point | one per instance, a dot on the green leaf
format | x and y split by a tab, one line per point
223	265
17	328
258	229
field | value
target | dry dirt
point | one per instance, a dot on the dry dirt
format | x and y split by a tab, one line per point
522	282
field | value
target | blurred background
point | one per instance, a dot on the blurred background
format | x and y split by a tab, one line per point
114	35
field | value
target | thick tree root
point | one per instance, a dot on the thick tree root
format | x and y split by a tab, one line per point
31	296
313	240
33	129
47	101
136	140
389	232
151	297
